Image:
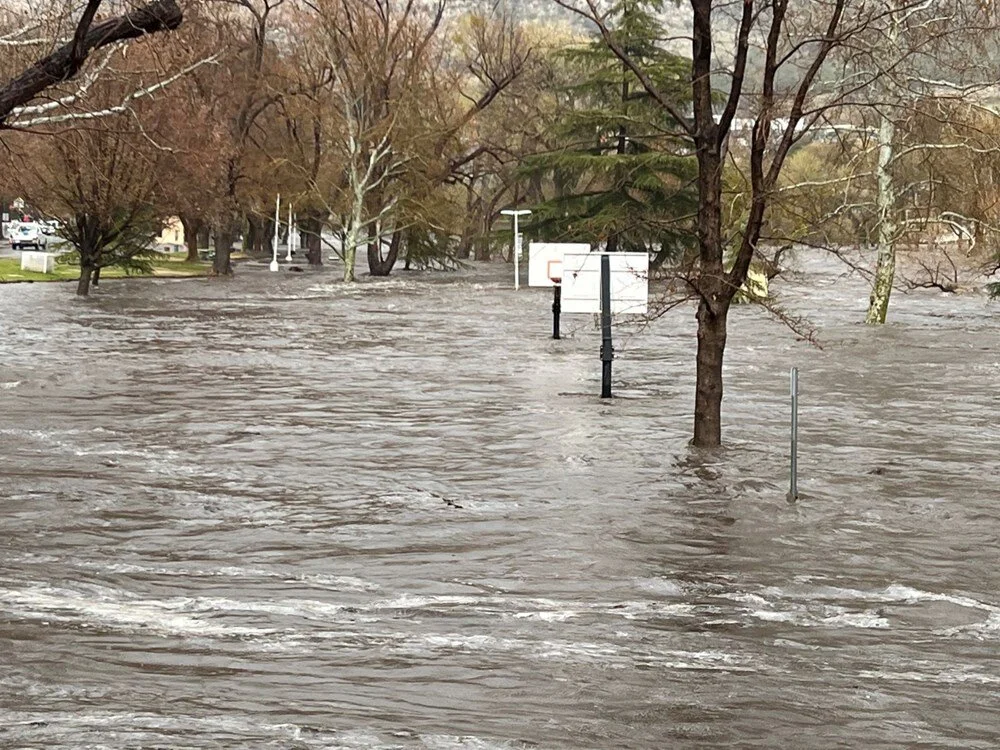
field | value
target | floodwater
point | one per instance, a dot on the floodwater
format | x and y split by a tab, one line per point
281	512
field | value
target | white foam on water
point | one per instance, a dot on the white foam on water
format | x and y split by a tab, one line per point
65	729
865	620
832	617
898	592
413	601
989	628
895	592
660	586
115	611
773	604
549	616
956	676
465	742
773	616
315	580
10	385
643	609
336	582
463	642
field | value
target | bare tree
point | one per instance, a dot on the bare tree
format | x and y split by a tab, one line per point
250	99
103	182
925	60
785	103
402	134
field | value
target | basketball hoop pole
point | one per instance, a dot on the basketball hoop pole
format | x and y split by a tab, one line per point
607	350
556	308
517	243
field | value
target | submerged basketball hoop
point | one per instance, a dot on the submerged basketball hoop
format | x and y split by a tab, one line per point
545	260
545	263
591	282
553	270
629	278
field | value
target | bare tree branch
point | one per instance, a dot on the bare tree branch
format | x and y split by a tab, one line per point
65	62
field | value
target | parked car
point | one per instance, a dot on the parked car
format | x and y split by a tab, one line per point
26	234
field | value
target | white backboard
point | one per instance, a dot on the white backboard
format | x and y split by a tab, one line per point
545	260
581	282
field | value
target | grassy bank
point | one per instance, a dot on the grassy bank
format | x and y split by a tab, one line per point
10	271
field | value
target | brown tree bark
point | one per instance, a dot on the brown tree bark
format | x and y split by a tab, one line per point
379	266
713	284
253	244
311	227
65	62
83	285
192	228
709	384
222	265
86	238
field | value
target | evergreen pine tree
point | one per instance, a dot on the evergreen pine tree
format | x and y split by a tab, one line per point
625	175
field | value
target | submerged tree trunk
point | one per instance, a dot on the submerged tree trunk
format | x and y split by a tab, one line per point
97	277
885	200
708	388
377	265
86	274
714	306
351	239
311	227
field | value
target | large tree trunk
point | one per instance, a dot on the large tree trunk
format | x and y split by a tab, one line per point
86	274
254	245
311	227
885	201
267	239
714	306
350	246
192	227
708	387
222	265
90	253
482	242
377	265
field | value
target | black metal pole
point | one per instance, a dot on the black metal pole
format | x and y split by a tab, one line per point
607	350
556	309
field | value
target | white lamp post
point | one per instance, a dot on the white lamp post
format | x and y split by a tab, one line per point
274	249
288	257
517	243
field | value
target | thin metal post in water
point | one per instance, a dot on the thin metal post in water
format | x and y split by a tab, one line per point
556	309
607	350
793	486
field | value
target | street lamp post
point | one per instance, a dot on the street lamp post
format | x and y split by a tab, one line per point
277	219
288	256
517	243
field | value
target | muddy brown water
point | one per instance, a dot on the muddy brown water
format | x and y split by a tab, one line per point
279	512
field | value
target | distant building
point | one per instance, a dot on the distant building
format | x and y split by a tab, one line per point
171	237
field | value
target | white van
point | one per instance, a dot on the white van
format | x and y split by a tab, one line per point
28	233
